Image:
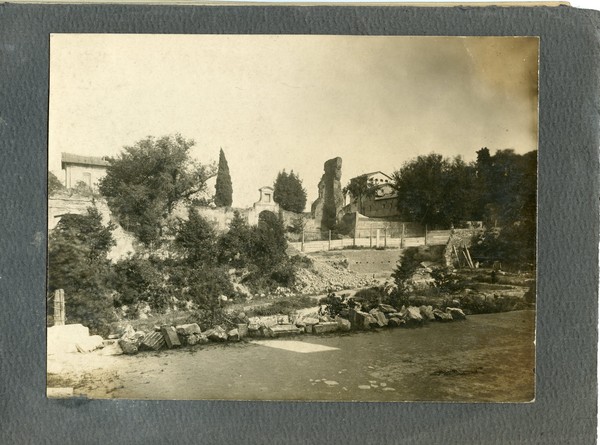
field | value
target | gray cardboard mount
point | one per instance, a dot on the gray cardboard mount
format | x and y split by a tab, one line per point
565	407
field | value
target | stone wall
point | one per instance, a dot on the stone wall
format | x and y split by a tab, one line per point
61	204
458	239
356	224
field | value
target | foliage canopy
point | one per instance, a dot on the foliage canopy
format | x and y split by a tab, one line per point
289	193
147	180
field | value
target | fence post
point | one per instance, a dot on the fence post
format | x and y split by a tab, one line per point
329	241
354	238
59	307
302	243
385	237
377	238
425	234
370	237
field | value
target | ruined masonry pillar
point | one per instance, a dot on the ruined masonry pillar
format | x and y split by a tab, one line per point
59	307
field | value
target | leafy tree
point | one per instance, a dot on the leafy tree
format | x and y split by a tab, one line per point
147	180
54	184
288	192
360	189
77	262
223	188
435	190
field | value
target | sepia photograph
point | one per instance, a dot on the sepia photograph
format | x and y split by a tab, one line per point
292	217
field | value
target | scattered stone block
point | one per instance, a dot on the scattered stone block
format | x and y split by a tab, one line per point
138	337
153	341
128	347
387	309
188	329
242	330
379	317
111	348
308	328
282	330
372	321
216	334
326	326
170	335
89	344
64	338
343	324
358	319
310	321
456	313
192	339
441	316
233	335
413	314
427	312
396	322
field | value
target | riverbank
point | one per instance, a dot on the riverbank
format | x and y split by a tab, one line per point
488	358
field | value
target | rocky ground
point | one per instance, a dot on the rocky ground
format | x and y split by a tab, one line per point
324	276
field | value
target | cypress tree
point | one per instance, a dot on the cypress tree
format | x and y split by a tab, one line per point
289	193
223	188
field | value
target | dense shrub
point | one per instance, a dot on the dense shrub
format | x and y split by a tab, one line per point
513	246
406	268
78	264
337	304
370	298
447	282
138	279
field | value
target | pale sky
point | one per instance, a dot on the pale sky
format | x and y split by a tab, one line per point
275	102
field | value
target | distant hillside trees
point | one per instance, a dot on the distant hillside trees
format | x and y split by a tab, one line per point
223	187
289	193
147	180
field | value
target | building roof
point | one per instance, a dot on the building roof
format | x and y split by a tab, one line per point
68	158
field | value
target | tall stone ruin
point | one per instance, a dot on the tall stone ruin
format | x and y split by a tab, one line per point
327	209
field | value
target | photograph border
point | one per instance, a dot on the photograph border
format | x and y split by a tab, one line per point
566	342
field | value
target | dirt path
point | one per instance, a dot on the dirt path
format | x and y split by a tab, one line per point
486	358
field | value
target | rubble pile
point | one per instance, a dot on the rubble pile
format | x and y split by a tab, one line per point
311	321
323	277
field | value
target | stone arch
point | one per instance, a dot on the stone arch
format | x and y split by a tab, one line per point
267	214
